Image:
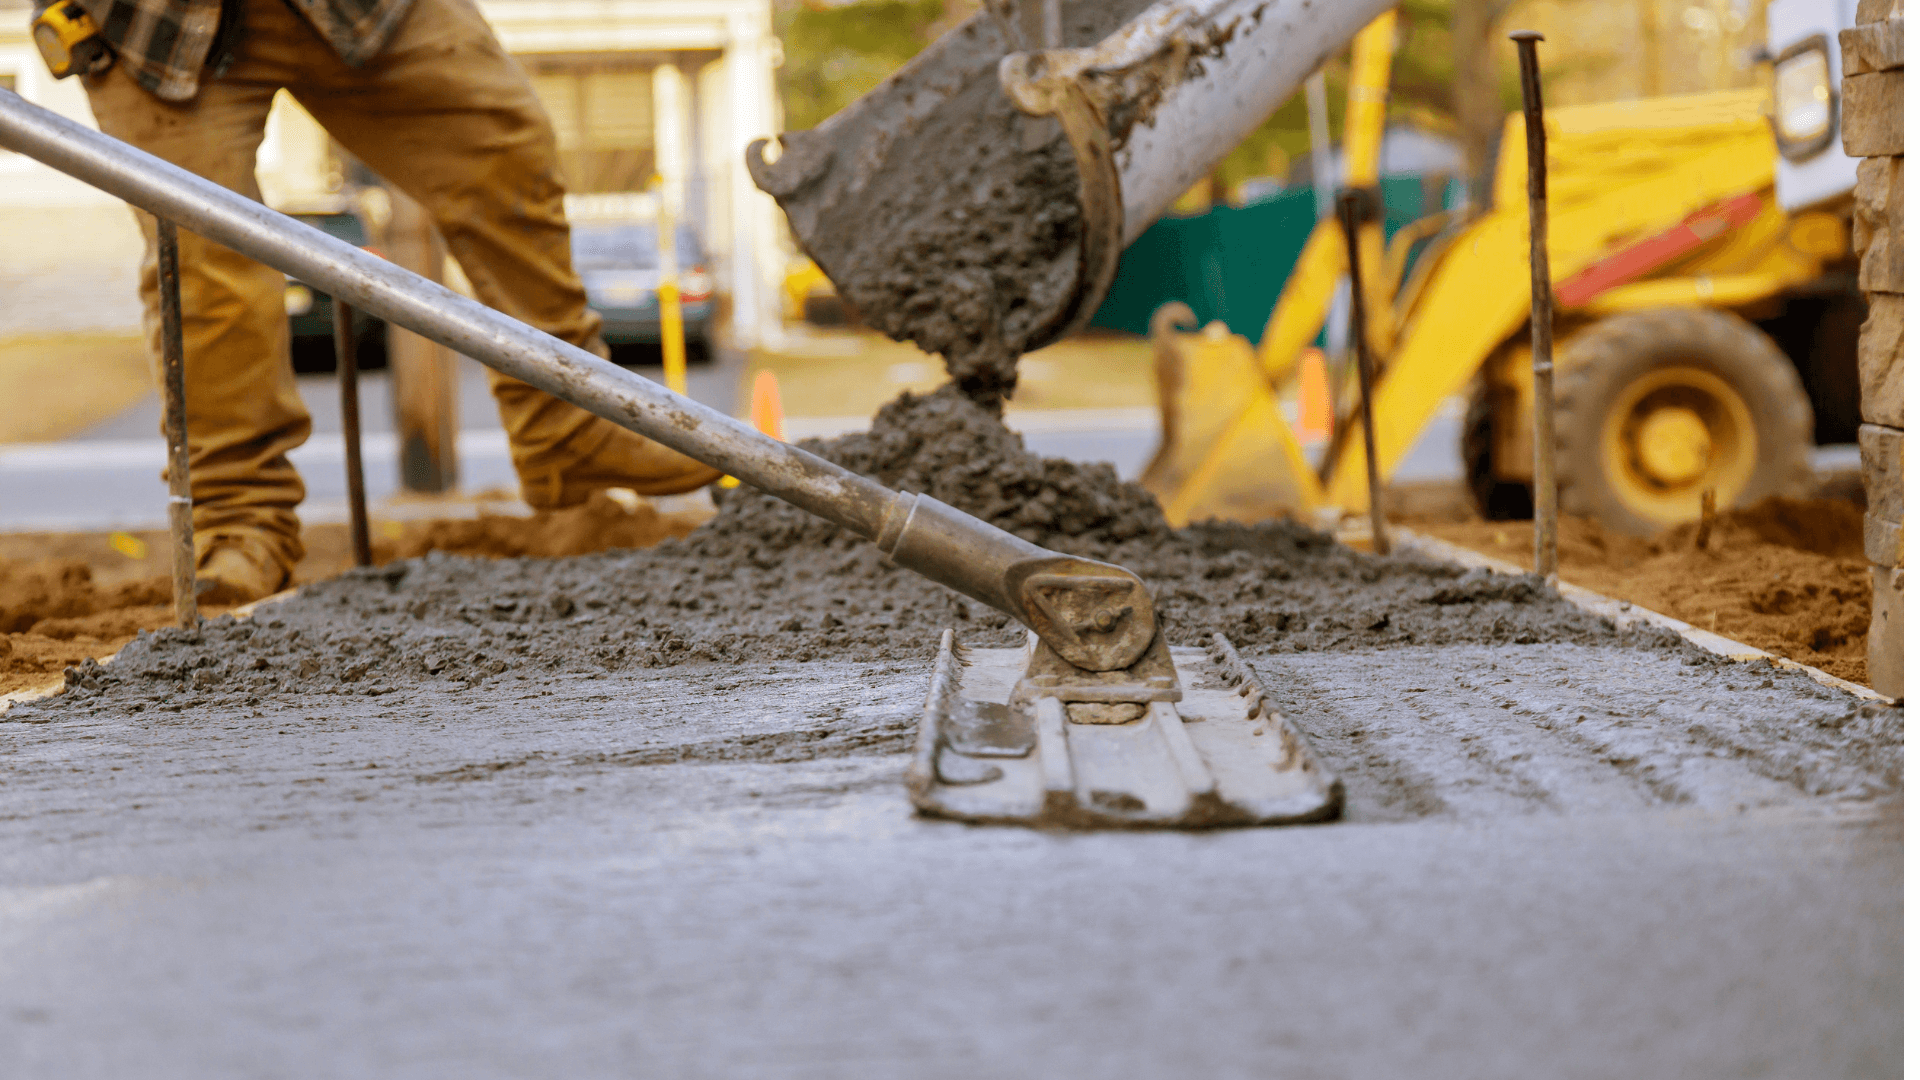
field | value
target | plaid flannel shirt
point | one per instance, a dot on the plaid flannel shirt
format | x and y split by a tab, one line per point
168	44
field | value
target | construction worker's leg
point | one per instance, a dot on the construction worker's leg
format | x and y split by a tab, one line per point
448	116
243	411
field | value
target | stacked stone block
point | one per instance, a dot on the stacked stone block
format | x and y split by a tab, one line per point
1871	128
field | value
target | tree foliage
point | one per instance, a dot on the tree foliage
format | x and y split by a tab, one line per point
836	54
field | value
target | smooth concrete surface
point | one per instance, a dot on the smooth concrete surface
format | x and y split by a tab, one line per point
496	883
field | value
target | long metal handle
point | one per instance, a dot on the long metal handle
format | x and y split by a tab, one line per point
1110	628
173	396
1546	484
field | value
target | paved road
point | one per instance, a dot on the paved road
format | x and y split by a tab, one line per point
488	884
109	477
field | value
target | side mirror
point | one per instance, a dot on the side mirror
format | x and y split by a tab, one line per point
1805	108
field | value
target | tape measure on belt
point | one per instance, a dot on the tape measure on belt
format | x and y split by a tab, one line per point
69	41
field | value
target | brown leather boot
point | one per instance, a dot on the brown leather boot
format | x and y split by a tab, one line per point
238	570
625	460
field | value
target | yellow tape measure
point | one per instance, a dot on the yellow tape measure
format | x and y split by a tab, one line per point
69	41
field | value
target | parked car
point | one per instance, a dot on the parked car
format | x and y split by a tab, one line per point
310	311
619	263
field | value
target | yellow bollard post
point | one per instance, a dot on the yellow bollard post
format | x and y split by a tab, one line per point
673	332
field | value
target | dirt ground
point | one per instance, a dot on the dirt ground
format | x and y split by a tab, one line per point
1788	575
65	597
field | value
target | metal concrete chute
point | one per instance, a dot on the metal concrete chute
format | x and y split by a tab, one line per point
1148	97
1183	83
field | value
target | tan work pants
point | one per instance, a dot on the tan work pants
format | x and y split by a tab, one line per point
448	117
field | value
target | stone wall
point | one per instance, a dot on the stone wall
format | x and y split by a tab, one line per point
1871	128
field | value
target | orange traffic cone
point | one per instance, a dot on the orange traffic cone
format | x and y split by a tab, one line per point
765	412
1316	398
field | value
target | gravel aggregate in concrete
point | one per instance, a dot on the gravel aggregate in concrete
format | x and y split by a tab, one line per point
765	581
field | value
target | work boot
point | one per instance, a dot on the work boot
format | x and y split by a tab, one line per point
238	570
624	460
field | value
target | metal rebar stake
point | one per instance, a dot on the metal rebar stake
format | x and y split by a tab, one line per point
1546	485
347	360
1349	202
186	606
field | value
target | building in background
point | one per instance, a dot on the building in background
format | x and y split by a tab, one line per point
72	254
636	89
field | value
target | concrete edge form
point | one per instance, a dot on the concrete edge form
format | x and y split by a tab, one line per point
1623	613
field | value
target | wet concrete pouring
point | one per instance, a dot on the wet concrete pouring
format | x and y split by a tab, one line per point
641	812
979	257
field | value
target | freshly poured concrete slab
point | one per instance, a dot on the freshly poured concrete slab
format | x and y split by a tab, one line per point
1556	860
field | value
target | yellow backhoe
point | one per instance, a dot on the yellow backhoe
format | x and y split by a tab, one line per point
1669	252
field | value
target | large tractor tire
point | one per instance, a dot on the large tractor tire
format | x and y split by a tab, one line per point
1496	499
1652	408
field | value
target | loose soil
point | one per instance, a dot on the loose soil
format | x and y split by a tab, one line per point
65	598
1786	575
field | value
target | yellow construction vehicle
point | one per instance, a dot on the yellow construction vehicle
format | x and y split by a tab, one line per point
1669	251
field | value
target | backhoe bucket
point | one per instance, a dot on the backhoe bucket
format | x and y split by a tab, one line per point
1225	449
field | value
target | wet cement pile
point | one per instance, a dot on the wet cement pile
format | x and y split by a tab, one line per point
965	238
91	599
766	582
1785	575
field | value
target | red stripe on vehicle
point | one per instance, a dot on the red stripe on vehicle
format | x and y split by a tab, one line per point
1638	260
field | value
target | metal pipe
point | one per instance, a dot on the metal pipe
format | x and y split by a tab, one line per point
347	361
173	393
919	533
1353	203
1546	485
